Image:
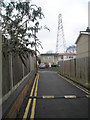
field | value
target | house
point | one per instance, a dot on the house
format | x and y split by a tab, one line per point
54	58
51	58
83	57
83	45
67	56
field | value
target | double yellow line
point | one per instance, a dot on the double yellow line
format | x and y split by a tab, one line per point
34	100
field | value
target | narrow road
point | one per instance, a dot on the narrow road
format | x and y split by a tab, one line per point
51	84
55	97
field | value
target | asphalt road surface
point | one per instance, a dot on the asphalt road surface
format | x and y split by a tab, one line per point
55	97
51	84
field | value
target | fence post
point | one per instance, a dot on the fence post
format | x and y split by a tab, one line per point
0	69
89	14
0	75
23	69
75	67
11	70
29	63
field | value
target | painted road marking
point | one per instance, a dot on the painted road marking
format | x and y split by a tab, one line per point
83	89
59	97
29	101
88	96
70	96
48	97
34	101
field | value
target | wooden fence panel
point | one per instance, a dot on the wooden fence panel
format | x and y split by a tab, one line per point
13	70
6	79
76	69
17	69
73	68
67	68
82	69
89	69
27	67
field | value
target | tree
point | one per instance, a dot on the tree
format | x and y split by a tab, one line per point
20	23
71	49
39	60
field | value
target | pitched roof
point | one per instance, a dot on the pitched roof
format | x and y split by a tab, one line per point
49	54
67	54
58	54
81	33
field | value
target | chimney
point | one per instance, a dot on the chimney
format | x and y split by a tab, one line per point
89	14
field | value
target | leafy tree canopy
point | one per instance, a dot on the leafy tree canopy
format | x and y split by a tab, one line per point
20	23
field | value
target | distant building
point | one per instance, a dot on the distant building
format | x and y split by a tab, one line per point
49	58
54	58
67	56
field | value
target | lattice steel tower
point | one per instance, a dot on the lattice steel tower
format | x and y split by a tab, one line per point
60	43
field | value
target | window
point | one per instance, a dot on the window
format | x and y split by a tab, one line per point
61	57
70	56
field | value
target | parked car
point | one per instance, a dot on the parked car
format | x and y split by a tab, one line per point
42	65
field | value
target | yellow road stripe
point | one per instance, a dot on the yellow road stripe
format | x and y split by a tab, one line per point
83	89
34	100
29	101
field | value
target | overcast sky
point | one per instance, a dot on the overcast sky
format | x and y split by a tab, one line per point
74	19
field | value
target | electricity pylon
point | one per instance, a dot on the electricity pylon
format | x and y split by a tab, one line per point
60	43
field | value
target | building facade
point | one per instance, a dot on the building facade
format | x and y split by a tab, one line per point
54	58
67	56
83	42
47	58
83	58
